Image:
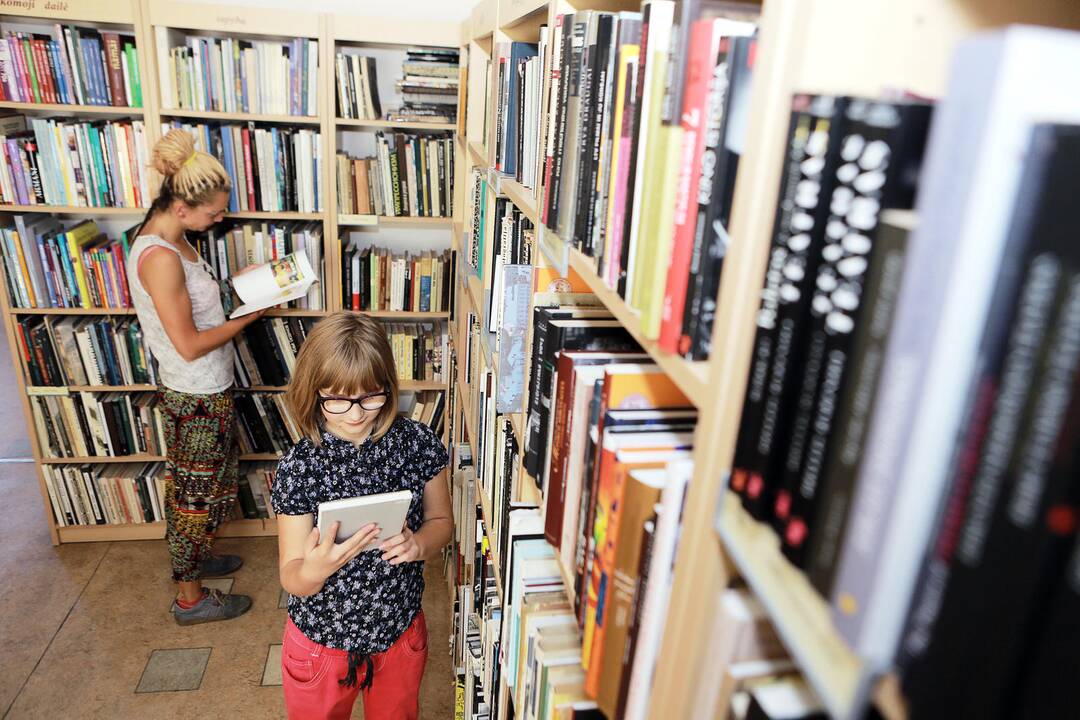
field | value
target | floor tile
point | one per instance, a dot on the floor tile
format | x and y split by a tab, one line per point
272	670
173	670
222	584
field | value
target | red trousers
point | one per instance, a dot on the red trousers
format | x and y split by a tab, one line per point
310	674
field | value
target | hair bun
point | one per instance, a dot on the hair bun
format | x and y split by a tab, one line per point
172	151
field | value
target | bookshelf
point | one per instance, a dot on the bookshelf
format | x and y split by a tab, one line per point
803	48
156	26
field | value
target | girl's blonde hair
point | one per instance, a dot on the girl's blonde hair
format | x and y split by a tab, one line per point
349	354
189	175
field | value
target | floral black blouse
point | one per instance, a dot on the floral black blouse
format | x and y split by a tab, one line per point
367	604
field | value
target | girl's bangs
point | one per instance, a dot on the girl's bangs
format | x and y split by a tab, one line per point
349	373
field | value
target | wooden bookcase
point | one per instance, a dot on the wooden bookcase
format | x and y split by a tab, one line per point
143	18
827	46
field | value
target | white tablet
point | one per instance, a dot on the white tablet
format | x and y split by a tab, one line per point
387	510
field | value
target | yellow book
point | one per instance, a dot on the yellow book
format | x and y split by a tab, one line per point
654	245
78	237
60	145
124	161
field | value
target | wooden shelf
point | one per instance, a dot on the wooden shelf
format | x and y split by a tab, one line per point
40	390
517	422
274	215
156	531
513	12
521	196
691	377
403	220
217	116
403	315
403	124
73	311
93	460
72	210
262	388
72	110
798	612
258	457
478	153
421	385
295	312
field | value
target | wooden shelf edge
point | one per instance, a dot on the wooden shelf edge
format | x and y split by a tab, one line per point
273	215
155	531
691	377
399	124
522	197
797	611
313	120
72	311
72	210
113	110
405	220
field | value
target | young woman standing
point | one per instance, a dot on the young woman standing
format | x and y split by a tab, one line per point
178	303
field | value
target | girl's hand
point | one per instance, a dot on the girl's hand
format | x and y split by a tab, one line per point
324	557
401	548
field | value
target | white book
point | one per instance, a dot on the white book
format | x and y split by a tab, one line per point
166	68
273	283
386	510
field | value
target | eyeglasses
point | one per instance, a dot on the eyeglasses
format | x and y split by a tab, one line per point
342	405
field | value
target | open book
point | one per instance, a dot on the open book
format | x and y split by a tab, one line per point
387	510
273	283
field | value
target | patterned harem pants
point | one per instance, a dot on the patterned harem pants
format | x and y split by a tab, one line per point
201	468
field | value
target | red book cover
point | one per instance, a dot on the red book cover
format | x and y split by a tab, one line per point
701	62
118	96
43	70
22	58
246	137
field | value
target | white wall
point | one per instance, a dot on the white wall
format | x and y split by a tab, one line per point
437	10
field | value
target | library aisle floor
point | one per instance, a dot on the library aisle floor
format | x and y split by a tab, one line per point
85	629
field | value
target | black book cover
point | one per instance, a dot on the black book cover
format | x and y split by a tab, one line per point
1011	545
246	500
717	220
856	403
256	180
581	544
257	431
401	150
571	36
813	154
26	333
593	118
880	163
373	86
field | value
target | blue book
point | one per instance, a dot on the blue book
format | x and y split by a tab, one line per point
425	293
53	48
230	167
519	53
92	97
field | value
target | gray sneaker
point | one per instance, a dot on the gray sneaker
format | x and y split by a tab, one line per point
219	565
215	605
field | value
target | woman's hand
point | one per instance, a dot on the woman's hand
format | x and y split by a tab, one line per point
402	548
323	557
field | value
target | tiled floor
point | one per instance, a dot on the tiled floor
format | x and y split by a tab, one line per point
85	629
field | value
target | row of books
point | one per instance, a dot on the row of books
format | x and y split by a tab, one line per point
65	351
428	407
230	248
419	350
48	266
517	112
412	174
910	420
616	127
429	86
514	242
79	164
253	490
357	87
239	76
264	424
265	352
377	279
116	494
86	424
71	66
272	169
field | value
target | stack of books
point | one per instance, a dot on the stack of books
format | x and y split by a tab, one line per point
265	352
72	66
236	75
228	249
428	87
273	169
517	113
411	174
419	350
86	424
264	423
106	494
253	493
78	164
377	279
60	352
357	87
48	266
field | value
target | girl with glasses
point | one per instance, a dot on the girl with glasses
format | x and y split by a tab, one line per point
355	620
